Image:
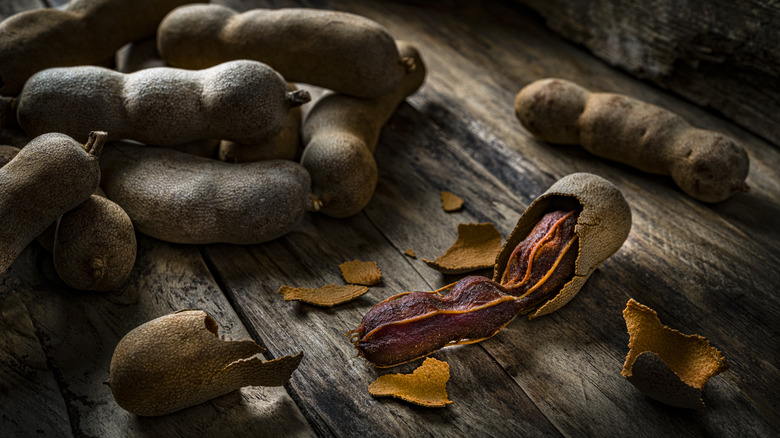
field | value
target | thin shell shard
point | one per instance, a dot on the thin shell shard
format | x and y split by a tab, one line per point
326	296
359	272
475	248
667	365
410	253
603	225
178	360
426	386
451	202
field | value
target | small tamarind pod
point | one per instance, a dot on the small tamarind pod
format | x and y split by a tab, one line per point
50	175
94	245
340	134
83	32
343	52
243	101
183	198
706	165
556	245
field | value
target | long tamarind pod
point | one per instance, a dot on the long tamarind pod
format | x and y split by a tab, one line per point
340	134
343	52
243	101
183	198
84	32
706	165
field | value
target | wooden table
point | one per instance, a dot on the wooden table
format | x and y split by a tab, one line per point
713	270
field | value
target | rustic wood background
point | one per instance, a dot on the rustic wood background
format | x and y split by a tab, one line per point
707	269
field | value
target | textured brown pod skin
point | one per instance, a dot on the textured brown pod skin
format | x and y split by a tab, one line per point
85	32
343	52
340	134
243	101
49	176
706	165
285	145
183	198
94	246
178	360
602	226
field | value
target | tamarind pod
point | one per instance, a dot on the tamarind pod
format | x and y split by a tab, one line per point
94	245
183	198
243	101
84	32
340	134
49	176
7	153
410	326
344	52
706	165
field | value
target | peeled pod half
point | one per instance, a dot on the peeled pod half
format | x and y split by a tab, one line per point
602	225
178	360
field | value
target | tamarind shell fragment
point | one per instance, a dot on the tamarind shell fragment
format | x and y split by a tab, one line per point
602	226
178	360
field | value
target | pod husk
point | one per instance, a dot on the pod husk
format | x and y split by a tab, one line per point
603	225
665	364
177	361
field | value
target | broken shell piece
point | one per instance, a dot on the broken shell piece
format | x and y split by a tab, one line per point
357	272
410	253
451	202
426	386
665	364
178	360
602	226
475	248
326	296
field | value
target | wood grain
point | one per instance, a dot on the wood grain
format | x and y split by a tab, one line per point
706	269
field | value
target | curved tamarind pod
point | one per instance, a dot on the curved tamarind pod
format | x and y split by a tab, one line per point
183	198
343	52
580	221
706	165
84	32
340	134
243	101
7	153
49	176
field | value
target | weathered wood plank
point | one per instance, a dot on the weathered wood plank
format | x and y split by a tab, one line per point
31	399
79	331
332	383
719	54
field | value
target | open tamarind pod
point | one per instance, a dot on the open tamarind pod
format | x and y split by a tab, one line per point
558	242
602	226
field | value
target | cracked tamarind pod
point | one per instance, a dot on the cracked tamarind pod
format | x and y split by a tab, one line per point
340	134
556	245
52	174
339	51
177	361
84	32
243	101
706	165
